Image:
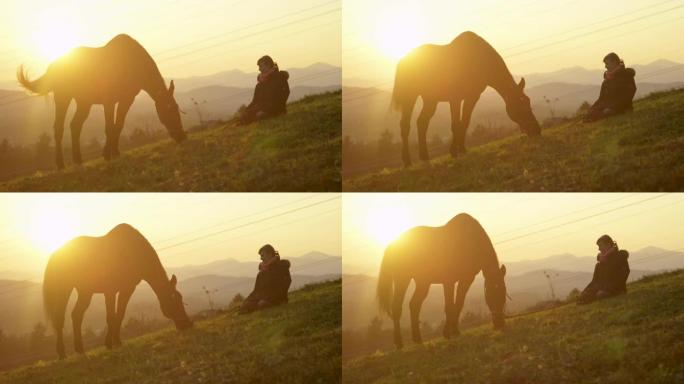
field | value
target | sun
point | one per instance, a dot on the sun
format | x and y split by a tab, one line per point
49	227
55	33
399	29
386	223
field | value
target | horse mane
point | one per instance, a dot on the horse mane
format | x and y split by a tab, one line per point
469	223
478	46
129	44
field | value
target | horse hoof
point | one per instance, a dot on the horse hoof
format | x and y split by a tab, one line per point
79	350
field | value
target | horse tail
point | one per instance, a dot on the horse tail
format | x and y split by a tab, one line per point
385	289
56	292
41	86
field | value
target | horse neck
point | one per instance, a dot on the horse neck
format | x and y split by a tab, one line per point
504	85
156	276
490	267
153	82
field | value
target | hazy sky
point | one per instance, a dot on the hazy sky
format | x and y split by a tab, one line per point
34	225
532	35
521	225
185	37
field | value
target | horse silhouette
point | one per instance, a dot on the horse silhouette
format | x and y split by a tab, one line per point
455	252
457	73
111	75
112	264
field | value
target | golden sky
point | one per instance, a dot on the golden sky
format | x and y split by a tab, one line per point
521	225
184	37
182	227
531	35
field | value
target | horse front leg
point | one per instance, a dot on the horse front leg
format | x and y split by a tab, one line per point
121	112
456	127
448	308
461	291
82	112
61	106
468	106
414	305
122	303
109	130
426	114
110	304
77	318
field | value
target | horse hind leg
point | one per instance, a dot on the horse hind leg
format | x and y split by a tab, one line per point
405	125
400	287
414	305
429	108
57	319
61	106
77	318
448	308
82	112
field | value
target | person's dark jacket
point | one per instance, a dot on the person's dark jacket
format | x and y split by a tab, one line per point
270	95
272	284
617	91
611	275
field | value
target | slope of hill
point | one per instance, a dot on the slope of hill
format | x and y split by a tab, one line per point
295	343
296	152
635	338
640	151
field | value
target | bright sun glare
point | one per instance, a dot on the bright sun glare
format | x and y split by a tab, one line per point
56	33
386	223
398	30
50	227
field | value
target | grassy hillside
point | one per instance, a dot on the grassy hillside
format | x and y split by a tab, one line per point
641	151
295	343
635	338
296	152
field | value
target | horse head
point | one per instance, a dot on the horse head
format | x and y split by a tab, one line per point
495	296
171	302
169	113
519	110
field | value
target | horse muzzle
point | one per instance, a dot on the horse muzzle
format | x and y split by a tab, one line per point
498	320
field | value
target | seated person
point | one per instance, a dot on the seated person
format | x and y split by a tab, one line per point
617	90
270	94
272	282
610	273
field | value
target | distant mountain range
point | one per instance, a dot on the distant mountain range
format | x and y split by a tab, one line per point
366	111
526	282
218	96
22	301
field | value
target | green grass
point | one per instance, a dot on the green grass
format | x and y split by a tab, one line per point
294	343
641	151
634	338
300	151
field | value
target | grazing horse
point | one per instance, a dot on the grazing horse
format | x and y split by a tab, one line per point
112	264
456	73
111	75
455	252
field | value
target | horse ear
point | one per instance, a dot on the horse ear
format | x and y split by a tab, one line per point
503	270
172	87
173	281
521	85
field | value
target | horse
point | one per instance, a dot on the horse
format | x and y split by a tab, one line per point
457	73
111	75
113	265
454	252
